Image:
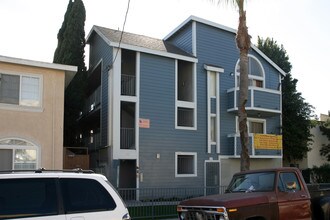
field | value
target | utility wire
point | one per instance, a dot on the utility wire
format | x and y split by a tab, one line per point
122	32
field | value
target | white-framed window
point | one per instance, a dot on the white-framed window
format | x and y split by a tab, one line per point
20	89
213	106
214	130
256	126
18	154
212	84
185	164
185	90
256	72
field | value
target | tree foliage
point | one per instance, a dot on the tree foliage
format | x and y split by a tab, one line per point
296	113
325	149
70	50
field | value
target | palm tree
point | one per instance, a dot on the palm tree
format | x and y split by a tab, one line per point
243	43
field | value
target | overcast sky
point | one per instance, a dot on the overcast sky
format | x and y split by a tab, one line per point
29	29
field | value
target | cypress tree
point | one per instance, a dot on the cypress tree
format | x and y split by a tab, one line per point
70	51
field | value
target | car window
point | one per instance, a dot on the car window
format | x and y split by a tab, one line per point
252	182
85	195
288	181
27	198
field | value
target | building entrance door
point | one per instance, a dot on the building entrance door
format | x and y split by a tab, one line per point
212	177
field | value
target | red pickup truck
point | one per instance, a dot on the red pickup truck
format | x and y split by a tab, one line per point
269	194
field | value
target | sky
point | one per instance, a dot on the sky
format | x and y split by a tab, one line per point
29	29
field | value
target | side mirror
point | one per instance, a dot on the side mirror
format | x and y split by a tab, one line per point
291	185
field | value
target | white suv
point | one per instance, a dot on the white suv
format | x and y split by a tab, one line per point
59	195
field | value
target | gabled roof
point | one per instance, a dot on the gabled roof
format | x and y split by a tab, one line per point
222	27
140	43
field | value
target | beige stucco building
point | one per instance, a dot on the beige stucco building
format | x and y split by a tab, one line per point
313	156
32	113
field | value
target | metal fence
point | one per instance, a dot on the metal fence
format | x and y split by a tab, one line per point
160	203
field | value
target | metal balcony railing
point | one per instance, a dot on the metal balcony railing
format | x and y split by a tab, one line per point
127	138
128	85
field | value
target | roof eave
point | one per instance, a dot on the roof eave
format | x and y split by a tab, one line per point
141	49
69	70
213	24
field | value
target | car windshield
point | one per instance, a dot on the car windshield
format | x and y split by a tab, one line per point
252	182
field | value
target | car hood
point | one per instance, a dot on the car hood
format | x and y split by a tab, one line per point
228	200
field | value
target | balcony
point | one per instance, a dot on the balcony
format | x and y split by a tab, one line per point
260	100
260	145
92	102
127	138
128	84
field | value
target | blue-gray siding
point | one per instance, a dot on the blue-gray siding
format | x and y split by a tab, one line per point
100	50
183	39
157	103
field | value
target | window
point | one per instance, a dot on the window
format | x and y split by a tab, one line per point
85	195
213	128
212	84
18	154
288	181
25	159
186	164
256	126
20	90
256	72
185	95
185	117
213	107
250	182
35	197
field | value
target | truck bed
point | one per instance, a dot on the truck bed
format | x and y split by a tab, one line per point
320	199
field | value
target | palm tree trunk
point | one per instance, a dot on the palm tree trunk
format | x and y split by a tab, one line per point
243	44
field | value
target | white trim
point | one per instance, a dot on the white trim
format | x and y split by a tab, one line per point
186	104
268	60
256	109
214	69
19	106
195	164
110	104
32	146
218	104
200	20
137	115
252	77
116	93
225	28
256	88
194	39
259	120
256	157
38	64
251	90
217	113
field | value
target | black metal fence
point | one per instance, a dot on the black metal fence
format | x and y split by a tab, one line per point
160	203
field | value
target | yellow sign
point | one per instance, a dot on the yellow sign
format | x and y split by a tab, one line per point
267	142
